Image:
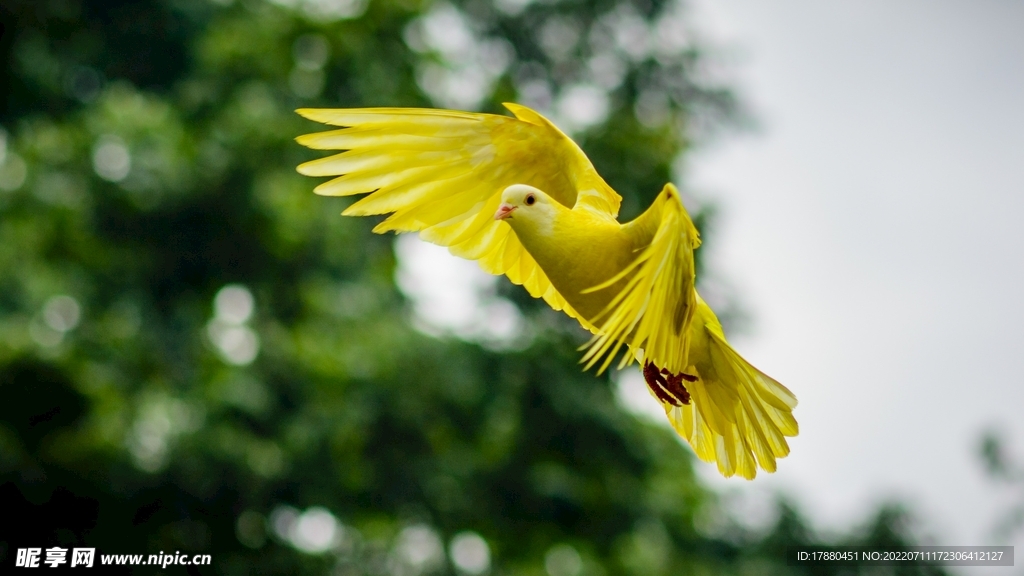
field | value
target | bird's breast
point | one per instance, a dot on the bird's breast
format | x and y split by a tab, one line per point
576	258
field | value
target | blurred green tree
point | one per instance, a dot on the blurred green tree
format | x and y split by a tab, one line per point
1003	468
197	354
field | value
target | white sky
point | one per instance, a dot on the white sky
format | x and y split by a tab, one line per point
873	228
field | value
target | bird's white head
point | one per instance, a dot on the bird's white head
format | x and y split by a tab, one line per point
520	202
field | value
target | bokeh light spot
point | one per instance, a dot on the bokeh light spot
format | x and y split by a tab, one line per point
111	159
470	553
582	106
563	560
420	548
13	172
62	313
315	531
234	304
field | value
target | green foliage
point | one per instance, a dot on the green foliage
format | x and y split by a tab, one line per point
1002	468
198	354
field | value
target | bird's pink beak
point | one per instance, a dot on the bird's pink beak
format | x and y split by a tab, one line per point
504	211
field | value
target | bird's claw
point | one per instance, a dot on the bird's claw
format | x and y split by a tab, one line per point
666	386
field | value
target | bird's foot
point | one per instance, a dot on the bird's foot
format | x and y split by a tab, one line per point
666	386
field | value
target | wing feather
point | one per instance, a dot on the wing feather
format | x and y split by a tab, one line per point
747	413
659	285
441	173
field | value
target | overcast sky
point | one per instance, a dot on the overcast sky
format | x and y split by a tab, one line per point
873	227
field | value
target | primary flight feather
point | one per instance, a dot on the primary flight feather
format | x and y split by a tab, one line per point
520	197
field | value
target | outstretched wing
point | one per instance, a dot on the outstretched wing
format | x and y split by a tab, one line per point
654	308
739	416
441	173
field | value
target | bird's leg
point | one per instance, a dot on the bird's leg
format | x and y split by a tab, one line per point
668	387
674	385
657	383
683	375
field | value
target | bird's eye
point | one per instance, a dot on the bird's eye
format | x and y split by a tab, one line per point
530	199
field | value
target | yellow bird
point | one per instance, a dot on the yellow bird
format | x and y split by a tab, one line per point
520	197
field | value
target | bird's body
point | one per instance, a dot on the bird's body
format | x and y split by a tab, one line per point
523	200
578	251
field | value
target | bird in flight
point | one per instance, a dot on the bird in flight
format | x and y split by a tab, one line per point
522	199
